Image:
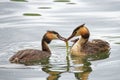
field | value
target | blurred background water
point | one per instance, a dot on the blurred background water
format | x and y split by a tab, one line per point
24	22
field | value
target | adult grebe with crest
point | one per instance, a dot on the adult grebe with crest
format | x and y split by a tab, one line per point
82	46
30	55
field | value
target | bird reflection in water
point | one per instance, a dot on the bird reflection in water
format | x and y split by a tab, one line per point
53	75
82	67
80	72
79	66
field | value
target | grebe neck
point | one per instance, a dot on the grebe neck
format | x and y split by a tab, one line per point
80	43
45	42
77	47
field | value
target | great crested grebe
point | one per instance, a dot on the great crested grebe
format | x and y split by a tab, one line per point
29	55
82	46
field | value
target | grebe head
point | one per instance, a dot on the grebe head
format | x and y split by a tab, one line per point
80	30
54	35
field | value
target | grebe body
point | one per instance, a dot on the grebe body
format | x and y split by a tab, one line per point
30	55
82	46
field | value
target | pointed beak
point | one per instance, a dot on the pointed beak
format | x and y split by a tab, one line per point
71	37
62	38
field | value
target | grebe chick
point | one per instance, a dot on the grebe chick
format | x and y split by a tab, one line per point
82	46
30	55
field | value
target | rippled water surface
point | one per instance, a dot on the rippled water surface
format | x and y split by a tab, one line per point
24	22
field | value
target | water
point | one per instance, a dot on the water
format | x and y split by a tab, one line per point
24	22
